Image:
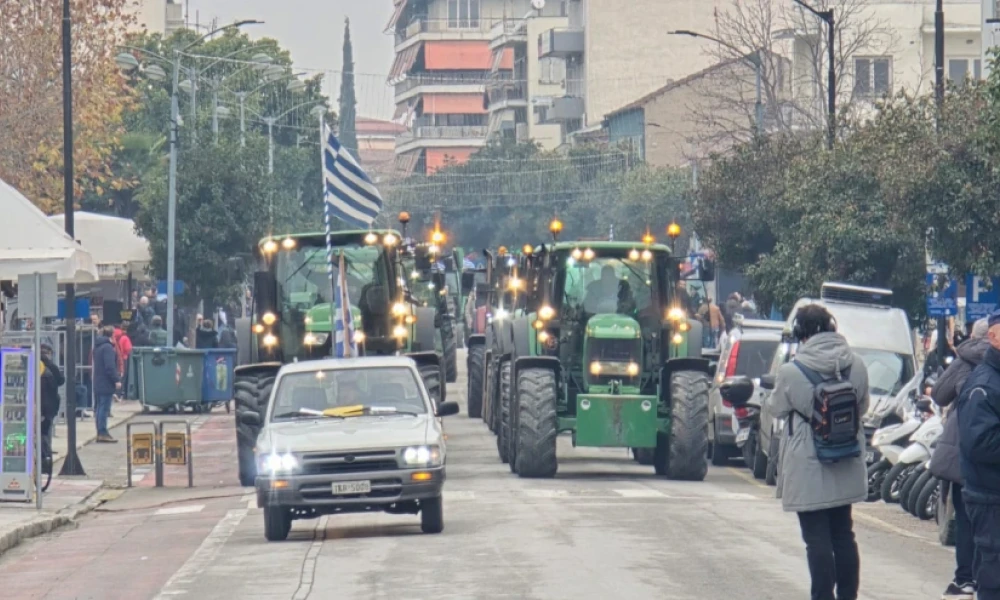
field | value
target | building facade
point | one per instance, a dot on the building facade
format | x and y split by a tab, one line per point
443	62
159	16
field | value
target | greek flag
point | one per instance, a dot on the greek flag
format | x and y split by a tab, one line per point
343	322
349	193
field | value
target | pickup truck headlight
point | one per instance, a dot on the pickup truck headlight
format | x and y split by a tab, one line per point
422	456
279	463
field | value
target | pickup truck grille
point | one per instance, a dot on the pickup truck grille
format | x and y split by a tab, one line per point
331	463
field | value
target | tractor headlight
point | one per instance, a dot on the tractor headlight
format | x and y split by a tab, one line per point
422	456
676	314
595	368
269	318
390	239
315	339
270	340
632	369
359	337
279	463
677	339
546	313
399	309
399	331
500	314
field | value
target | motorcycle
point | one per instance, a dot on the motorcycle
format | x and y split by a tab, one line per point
890	442
748	437
915	455
886	410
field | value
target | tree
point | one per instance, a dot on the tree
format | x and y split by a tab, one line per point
348	100
31	96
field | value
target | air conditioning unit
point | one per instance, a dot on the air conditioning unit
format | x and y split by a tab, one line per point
855	294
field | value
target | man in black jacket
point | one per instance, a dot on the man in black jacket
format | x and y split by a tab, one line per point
979	442
52	380
106	381
945	464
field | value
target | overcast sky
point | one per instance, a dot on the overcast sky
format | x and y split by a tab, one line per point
313	31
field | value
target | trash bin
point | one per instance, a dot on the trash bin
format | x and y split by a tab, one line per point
133	377
170	377
217	382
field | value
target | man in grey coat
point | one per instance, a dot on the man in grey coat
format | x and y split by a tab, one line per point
821	493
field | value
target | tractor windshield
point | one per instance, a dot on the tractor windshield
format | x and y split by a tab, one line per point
609	285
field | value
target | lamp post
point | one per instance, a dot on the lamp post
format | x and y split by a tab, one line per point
270	132
831	92
756	61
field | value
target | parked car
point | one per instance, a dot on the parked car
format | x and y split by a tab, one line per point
747	353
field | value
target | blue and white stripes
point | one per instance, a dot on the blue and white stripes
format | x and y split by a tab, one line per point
349	193
343	323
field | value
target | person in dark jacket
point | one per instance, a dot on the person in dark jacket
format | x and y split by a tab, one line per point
107	381
158	335
945	464
52	380
206	337
979	443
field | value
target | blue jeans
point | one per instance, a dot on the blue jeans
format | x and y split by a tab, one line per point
101	412
965	547
985	520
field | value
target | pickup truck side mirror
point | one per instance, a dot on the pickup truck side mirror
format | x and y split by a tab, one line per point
737	390
250	419
446	409
767	382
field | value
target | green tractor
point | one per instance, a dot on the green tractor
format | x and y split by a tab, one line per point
292	316
428	286
603	350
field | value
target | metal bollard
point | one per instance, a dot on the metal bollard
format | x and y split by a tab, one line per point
140	449
164	455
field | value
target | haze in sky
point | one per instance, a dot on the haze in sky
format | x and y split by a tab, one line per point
313	31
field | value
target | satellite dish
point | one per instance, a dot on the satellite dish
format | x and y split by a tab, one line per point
538	4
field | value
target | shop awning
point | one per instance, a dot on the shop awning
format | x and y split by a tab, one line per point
403	63
458	56
454	104
396	14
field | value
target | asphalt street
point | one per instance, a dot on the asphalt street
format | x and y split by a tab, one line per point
604	528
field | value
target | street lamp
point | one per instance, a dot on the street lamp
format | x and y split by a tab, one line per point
270	128
242	96
831	93
754	59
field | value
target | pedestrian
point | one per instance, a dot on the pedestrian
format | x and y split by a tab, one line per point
145	312
731	309
823	475
123	344
206	337
107	381
945	462
979	445
227	338
716	321
52	380
157	334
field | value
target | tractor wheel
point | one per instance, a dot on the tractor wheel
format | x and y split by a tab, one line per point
431	376
683	454
537	423
252	394
489	397
450	346
477	360
503	402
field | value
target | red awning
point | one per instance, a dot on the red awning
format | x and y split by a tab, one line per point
396	14
458	55
403	63
503	58
453	104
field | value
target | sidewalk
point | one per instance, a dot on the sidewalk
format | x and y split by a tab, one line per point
69	497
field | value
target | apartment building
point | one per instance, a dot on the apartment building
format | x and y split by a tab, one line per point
511	96
159	16
443	62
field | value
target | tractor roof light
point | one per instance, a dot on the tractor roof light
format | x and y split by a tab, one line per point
546	313
555	227
433	249
577	254
673	230
258	328
647	255
527	249
502	251
371	239
684	326
538	324
588	254
677	339
632	369
288	243
648	239
270	246
515	284
438	237
633	255
404	217
269	318
410	319
399	309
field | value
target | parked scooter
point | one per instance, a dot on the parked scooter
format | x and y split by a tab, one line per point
914	456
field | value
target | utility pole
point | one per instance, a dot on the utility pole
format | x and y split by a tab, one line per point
72	465
942	325
831	75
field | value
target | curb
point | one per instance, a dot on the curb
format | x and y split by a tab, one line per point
57	464
46	524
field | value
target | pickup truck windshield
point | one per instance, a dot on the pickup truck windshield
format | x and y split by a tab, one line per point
374	390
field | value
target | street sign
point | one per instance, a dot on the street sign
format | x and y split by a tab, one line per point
17	425
174	452
982	297
942	296
48	295
142	448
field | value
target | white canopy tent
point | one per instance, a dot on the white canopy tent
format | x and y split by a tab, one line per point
32	243
112	241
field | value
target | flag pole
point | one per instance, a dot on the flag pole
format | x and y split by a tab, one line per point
329	238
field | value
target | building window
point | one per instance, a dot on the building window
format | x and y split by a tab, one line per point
463	14
872	76
552	71
961	69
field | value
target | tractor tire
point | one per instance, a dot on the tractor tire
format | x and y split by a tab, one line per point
252	394
431	376
683	455
477	364
771	470
537	424
503	402
489	397
927	499
450	346
644	456
917	484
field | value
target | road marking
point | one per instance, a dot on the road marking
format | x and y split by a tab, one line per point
745	476
640	494
204	556
180	510
545	493
308	573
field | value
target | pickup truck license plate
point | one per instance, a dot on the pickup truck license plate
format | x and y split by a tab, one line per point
352	487
742	436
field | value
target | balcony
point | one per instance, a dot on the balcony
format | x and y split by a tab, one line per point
506	94
445	29
508	31
451	81
442	136
561	43
559	110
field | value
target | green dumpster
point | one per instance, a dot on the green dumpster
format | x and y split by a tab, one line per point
170	378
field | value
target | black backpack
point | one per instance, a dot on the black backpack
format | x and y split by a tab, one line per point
835	420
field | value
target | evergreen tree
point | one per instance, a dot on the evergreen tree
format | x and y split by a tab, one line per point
348	99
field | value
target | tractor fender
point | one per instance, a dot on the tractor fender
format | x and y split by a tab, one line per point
425	329
477	340
684	364
521	331
695	335
265	369
244	340
535	362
